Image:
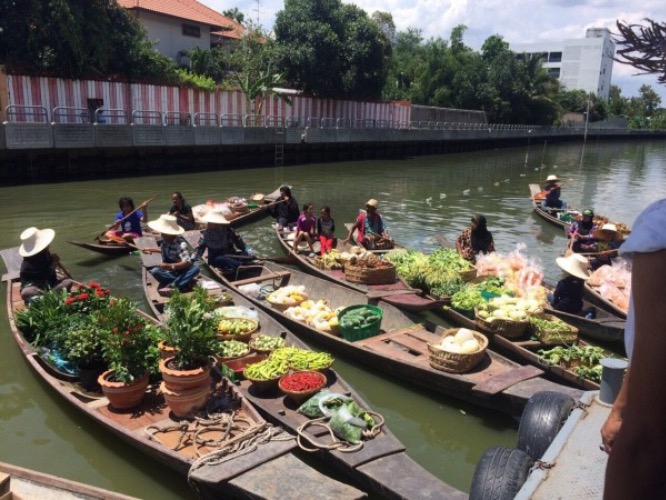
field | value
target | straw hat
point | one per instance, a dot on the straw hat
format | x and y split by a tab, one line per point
257	197
372	203
607	232
35	240
552	178
214	218
166	224
575	264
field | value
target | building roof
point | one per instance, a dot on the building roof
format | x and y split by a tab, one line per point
189	10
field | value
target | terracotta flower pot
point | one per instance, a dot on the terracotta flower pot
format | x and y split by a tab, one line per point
187	401
179	380
166	351
120	395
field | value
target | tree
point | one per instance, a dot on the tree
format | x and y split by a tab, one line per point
331	49
643	47
385	22
234	14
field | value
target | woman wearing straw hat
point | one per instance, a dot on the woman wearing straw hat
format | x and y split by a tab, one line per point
568	295
38	269
553	191
176	269
372	232
222	243
608	240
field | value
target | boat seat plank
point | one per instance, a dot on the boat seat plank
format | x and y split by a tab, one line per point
12	259
280	275
378	294
413	343
387	335
392	351
424	335
507	379
148	260
12	275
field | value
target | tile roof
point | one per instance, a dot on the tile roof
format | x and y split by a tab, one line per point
189	10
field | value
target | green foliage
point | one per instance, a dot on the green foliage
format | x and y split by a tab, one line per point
197	81
46	320
191	327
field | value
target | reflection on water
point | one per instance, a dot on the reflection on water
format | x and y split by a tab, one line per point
423	199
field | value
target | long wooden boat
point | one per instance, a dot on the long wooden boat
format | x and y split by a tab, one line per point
18	482
398	293
523	350
258	212
554	216
592	295
151	428
401	351
375	466
606	327
110	247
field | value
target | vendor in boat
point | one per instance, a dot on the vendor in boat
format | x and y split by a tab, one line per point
475	239
226	249
582	233
176	271
127	225
372	232
38	269
552	191
568	295
608	240
286	211
182	211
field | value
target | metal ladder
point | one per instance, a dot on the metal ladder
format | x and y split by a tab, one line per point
280	137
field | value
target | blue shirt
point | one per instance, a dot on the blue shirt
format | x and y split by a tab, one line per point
132	224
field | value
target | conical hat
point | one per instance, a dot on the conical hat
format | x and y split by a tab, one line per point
35	240
575	264
552	178
166	224
608	232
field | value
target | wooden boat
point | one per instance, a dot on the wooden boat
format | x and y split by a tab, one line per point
401	351
349	225
553	215
150	427
18	482
263	203
522	350
606	327
110	247
592	295
398	293
372	468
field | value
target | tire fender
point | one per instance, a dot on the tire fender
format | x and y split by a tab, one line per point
500	474
543	417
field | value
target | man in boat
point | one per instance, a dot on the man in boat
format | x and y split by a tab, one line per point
177	269
582	233
38	269
608	240
226	248
372	232
127	225
568	295
552	193
182	211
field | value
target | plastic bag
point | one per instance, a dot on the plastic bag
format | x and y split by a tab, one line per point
349	421
251	289
321	404
237	312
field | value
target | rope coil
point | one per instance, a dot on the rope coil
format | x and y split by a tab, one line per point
335	443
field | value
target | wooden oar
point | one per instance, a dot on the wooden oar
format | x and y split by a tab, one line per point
119	222
443	241
64	270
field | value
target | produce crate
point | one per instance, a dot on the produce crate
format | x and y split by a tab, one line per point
370	276
510	329
359	333
555	337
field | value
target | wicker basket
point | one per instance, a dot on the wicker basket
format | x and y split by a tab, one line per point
263	385
370	276
286	305
300	396
468	275
241	337
453	362
555	337
510	329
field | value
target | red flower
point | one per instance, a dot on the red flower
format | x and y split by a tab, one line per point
69	300
83	296
95	285
99	293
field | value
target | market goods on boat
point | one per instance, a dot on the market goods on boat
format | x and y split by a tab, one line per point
236	209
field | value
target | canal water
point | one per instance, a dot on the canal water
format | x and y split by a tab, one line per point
421	199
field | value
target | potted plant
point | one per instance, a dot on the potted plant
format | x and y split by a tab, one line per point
128	346
83	347
190	329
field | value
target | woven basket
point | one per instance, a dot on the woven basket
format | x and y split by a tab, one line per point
510	329
300	396
241	337
370	276
555	337
457	362
468	275
285	306
263	385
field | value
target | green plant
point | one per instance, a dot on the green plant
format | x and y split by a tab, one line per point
45	319
83	345
191	328
128	341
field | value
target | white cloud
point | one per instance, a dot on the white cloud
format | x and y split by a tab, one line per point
515	20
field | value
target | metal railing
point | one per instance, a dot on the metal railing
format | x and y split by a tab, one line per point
26	114
205	120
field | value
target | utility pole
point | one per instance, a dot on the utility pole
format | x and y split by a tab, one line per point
257	10
587	119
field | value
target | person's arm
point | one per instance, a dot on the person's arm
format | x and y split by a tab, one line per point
637	461
144	212
614	420
351	231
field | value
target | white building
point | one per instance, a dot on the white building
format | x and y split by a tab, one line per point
584	63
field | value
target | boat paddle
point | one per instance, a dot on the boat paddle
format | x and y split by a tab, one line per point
64	270
120	221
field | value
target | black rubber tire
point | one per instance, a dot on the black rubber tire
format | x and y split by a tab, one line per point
543	417
500	474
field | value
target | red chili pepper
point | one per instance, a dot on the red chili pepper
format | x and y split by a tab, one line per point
301	382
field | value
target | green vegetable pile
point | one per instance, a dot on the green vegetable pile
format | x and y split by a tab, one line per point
542	325
233	349
302	359
437	273
267	369
267	342
467	298
586	360
359	318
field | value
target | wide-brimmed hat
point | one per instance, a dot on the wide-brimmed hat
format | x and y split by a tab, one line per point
372	203
607	232
166	224
552	178
574	264
35	240
214	218
257	197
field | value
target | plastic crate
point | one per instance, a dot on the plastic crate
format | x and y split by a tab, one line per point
363	332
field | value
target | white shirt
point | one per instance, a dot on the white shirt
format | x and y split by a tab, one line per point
648	234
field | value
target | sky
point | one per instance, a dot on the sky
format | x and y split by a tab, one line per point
517	21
